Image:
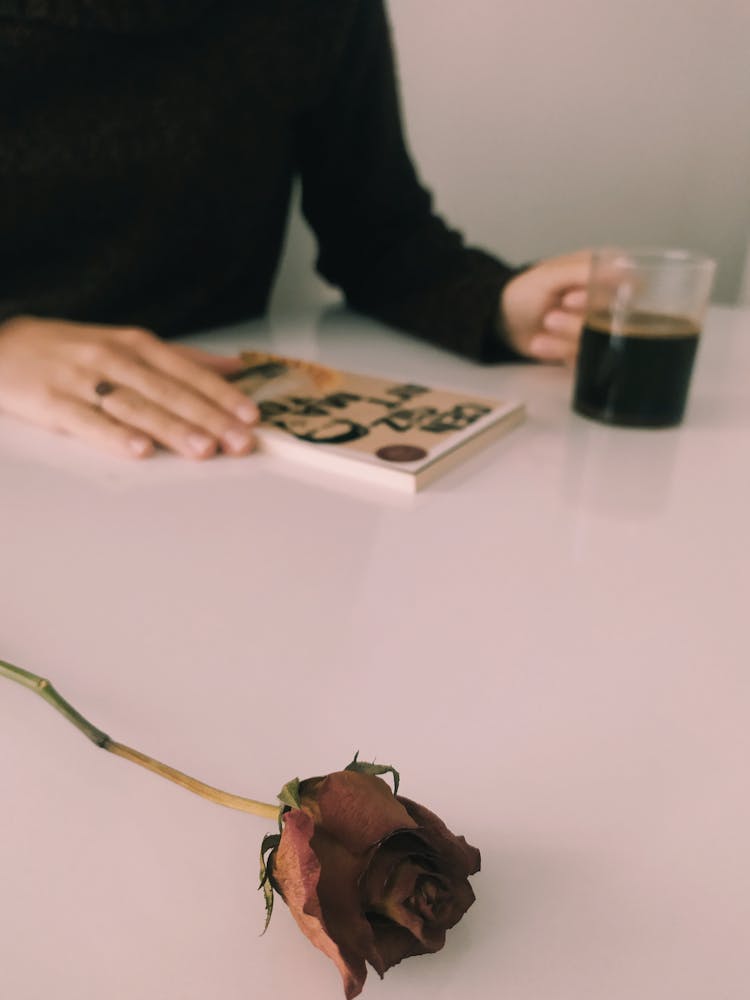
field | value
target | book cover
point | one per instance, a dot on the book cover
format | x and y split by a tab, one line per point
385	431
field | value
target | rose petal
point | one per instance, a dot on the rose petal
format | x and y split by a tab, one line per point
406	883
297	872
393	943
450	900
399	907
359	810
340	902
377	880
456	855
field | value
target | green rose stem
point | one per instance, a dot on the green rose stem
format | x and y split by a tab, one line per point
46	690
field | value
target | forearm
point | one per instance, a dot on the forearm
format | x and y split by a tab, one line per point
379	239
451	299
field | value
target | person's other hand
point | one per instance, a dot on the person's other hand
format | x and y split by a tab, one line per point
541	310
122	389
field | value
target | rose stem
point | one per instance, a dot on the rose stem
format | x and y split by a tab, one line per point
46	691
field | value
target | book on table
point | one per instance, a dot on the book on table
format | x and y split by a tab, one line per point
378	430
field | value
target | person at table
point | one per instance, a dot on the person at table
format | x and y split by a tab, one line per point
147	152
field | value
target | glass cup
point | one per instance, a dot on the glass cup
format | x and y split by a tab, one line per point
644	315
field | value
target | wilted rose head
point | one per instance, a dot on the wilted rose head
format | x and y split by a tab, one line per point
369	876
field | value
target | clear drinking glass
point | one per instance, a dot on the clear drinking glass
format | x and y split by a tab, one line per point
644	316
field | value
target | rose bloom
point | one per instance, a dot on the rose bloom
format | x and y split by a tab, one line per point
370	876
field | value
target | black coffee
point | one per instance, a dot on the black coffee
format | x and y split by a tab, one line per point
636	374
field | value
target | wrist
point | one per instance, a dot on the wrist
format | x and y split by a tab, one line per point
505	324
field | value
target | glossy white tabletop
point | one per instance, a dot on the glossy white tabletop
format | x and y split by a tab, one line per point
550	643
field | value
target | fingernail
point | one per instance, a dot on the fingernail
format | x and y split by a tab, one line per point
537	345
200	444
237	439
555	323
140	447
574	300
247	412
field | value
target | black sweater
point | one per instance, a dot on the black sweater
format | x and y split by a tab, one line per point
147	152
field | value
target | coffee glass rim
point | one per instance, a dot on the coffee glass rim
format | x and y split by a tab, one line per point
620	255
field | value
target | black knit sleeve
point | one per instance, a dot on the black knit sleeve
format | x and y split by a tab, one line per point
378	238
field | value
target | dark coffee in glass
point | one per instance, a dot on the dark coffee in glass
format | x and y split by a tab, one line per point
644	313
635	373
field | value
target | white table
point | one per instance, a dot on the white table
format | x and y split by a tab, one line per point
550	643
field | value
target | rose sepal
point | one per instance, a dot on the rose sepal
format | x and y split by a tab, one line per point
364	767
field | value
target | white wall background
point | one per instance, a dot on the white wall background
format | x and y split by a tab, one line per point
547	125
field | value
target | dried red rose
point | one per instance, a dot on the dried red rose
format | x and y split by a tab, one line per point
369	876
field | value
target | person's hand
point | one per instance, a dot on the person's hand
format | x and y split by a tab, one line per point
541	310
122	389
